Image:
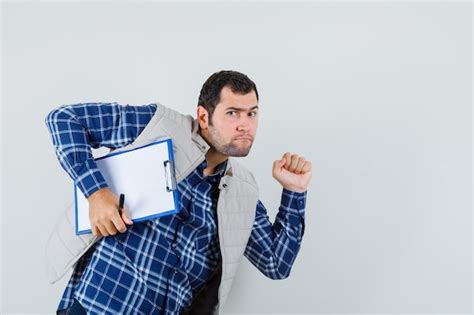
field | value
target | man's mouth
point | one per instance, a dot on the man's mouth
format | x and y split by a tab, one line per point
243	138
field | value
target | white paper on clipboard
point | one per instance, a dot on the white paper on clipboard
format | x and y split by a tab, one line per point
145	175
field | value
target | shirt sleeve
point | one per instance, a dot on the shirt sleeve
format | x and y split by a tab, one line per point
76	129
272	248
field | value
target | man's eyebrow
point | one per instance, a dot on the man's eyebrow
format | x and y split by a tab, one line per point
241	109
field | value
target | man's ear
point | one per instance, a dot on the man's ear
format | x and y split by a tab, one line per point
202	117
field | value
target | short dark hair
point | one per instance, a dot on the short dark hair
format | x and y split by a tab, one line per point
211	89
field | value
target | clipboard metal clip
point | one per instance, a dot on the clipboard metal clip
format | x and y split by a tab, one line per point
170	175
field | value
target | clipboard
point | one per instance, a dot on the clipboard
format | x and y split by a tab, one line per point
146	175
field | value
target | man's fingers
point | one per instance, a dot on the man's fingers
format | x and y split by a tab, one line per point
282	162
118	223
294	163
96	231
307	167
102	230
278	164
110	227
299	167
287	157
125	217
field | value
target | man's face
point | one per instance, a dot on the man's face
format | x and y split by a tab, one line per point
233	126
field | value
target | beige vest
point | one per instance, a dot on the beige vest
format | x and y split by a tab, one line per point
236	206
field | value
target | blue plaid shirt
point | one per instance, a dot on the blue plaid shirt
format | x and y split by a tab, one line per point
156	266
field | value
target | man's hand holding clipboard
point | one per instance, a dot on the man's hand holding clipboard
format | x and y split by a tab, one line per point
105	214
145	175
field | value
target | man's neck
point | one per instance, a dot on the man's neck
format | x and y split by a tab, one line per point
213	158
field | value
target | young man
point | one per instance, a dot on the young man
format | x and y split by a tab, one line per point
181	263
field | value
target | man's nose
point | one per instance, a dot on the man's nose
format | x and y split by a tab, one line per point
244	125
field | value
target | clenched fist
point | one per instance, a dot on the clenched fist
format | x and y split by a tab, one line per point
293	172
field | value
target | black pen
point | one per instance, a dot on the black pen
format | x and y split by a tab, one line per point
121	202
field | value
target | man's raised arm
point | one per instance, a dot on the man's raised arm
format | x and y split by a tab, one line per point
75	130
273	248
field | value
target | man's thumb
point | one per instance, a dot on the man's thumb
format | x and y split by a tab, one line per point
279	163
282	162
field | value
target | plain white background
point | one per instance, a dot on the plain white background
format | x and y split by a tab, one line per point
376	95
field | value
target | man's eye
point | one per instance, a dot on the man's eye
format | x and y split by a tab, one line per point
231	112
253	114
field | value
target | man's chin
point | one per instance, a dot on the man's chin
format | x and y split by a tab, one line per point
240	154
236	152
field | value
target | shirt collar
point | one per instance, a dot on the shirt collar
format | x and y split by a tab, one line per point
221	168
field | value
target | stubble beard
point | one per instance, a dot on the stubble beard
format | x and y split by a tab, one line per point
229	149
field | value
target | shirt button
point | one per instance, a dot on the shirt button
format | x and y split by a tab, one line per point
301	203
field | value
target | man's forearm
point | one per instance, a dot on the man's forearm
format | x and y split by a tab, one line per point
272	248
76	129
